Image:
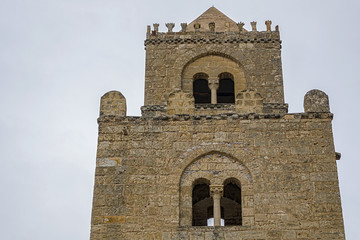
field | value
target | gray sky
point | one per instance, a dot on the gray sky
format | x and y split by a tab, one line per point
58	57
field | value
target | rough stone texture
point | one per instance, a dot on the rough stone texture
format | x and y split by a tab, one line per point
147	166
316	101
180	103
249	101
113	103
214	16
256	55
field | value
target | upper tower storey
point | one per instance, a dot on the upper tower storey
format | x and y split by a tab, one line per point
213	66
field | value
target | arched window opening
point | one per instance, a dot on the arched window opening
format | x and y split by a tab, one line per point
225	92
201	91
231	202
201	202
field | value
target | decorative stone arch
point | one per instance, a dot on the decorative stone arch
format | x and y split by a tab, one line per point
200	75
237	150
194	53
216	167
214	65
209	53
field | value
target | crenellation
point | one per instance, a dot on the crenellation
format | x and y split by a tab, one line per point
156	28
212	29
268	25
316	101
183	27
253	26
170	27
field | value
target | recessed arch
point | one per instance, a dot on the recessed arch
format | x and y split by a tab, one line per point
213	64
225	167
200	75
209	53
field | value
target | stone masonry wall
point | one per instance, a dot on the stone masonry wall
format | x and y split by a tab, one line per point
283	164
257	54
290	189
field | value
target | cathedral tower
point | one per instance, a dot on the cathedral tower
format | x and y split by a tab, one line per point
215	153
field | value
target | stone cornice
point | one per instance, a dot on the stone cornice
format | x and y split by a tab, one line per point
217	38
233	116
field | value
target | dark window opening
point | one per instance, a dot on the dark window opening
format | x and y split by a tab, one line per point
201	202
202	93
231	202
225	92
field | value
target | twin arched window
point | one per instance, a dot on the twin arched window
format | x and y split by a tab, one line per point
203	203
224	88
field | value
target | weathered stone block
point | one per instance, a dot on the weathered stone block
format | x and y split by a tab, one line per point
316	101
113	103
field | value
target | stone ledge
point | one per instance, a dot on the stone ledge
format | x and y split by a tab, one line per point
208	41
250	116
217	38
276	108
208	228
227	106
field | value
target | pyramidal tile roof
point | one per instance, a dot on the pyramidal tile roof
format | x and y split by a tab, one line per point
222	22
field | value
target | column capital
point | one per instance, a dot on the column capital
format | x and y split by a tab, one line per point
216	190
213	83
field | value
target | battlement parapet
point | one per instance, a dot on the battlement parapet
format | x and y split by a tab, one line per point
212	37
198	28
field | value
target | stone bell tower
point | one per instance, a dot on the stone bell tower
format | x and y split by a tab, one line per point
215	153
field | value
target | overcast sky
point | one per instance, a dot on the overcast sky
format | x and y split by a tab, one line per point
58	57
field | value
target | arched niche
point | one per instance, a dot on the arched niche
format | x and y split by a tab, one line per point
213	66
216	168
